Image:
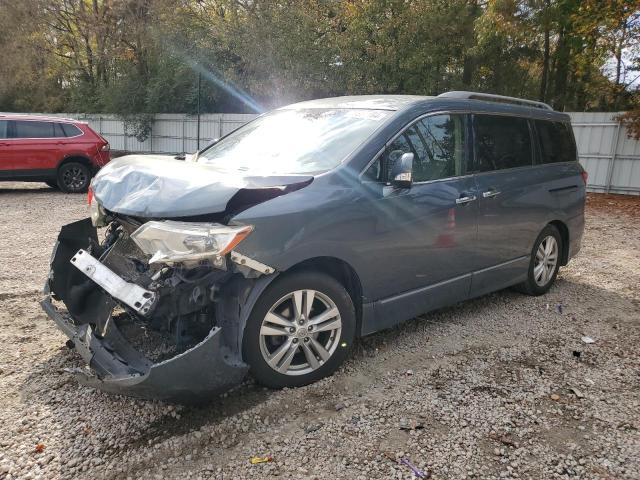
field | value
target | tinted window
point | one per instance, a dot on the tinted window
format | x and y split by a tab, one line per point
24	129
501	142
3	128
444	140
57	128
556	142
70	130
437	143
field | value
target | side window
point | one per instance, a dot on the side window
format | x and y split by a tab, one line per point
438	146
556	142
4	126
27	129
501	142
57	129
444	140
70	130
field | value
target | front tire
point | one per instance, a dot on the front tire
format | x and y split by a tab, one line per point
74	177
300	330
544	264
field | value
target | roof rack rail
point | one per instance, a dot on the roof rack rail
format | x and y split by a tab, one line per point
488	97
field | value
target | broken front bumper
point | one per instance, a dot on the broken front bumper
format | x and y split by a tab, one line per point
198	373
116	367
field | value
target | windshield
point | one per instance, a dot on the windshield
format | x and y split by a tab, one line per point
294	141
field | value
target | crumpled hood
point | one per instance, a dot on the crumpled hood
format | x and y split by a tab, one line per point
156	186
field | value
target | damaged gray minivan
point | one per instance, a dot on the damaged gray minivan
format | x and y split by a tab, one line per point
275	247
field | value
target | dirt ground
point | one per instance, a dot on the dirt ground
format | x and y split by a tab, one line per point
498	387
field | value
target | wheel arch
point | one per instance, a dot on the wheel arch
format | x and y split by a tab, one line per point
564	235
342	272
78	159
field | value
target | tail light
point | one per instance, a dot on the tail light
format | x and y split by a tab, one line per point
89	196
585	176
105	148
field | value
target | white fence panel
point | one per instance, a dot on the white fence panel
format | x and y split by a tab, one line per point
607	153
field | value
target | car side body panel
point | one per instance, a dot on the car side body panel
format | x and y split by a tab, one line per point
409	256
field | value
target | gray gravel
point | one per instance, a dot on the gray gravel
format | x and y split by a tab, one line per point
499	387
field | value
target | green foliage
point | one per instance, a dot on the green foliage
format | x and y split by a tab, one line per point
138	57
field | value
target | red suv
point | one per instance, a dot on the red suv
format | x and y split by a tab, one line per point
61	152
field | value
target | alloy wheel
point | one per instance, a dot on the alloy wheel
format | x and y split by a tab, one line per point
546	260
74	178
300	332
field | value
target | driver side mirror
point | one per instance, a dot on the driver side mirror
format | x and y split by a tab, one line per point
400	176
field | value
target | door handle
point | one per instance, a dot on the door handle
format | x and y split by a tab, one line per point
465	200
490	193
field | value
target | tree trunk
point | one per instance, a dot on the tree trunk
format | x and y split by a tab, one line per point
618	88
562	60
468	63
545	58
618	54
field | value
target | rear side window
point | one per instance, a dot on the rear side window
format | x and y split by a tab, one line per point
25	129
556	142
4	124
501	142
70	130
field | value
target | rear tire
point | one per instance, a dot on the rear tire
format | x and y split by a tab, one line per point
74	177
299	331
544	263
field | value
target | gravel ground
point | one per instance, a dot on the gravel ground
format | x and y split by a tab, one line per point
499	387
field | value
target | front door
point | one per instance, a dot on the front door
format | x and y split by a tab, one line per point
426	235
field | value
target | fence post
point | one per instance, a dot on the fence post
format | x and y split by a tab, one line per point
151	133
124	129
183	134
220	129
614	153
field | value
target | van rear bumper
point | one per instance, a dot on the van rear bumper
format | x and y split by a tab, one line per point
576	230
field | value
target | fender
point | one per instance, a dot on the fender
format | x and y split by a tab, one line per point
235	304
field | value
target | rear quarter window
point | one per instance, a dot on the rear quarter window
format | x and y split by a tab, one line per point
70	130
556	142
4	124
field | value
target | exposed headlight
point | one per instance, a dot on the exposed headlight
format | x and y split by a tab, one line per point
98	215
172	242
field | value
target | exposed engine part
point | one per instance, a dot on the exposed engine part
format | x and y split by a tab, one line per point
122	255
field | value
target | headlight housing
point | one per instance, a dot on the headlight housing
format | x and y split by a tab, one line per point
98	215
177	242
